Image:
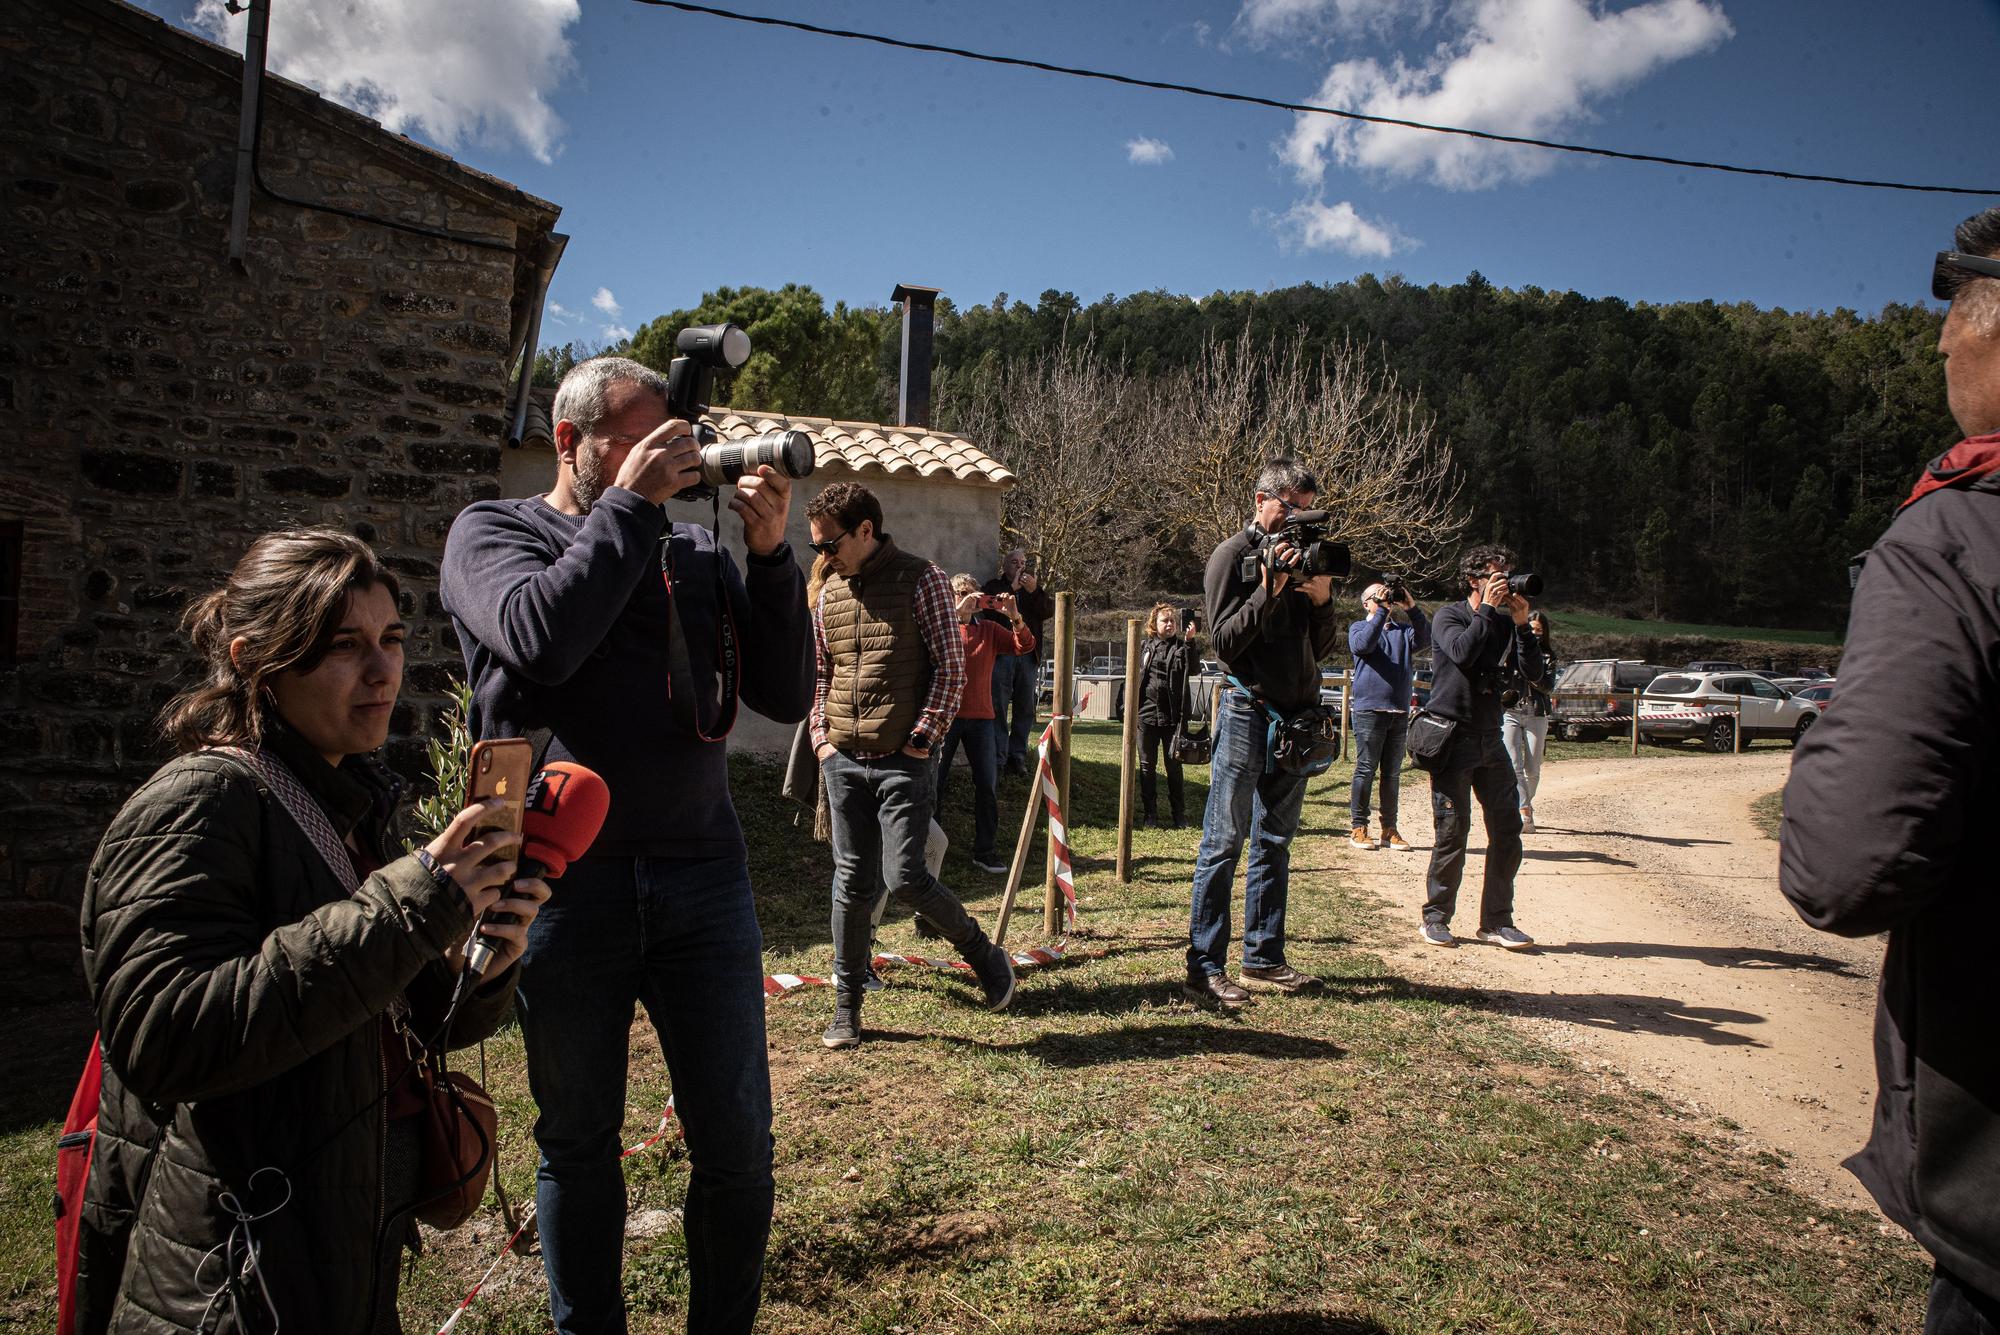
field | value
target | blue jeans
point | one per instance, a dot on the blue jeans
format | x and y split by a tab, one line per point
881	812
1243	803
678	936
1378	747
1015	690
1477	763
977	735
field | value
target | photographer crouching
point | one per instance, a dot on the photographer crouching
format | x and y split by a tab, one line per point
1269	591
1485	659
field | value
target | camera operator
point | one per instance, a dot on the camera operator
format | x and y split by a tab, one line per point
1271	629
587	614
1384	648
1017	676
1484	651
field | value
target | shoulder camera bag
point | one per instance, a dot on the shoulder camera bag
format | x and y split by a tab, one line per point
1429	737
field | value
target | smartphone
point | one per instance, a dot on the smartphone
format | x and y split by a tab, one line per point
501	767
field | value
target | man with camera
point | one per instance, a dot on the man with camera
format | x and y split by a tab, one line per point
1885	806
890	675
619	640
1016	676
1384	649
1269	591
1485	656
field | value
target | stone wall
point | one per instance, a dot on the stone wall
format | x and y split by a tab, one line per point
161	408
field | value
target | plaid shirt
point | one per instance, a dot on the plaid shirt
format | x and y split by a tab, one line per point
937	621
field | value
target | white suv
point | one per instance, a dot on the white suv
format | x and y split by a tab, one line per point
1766	710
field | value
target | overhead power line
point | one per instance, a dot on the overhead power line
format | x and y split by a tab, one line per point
1251	99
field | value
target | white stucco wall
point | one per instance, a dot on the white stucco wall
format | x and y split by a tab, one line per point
954	523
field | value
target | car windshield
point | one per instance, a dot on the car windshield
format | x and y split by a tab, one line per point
1674	686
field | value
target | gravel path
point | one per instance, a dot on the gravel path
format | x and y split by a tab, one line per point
1666	951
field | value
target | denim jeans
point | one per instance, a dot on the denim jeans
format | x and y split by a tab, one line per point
1956	1308
678	936
1379	735
1477	763
977	735
881	813
1526	737
1015	690
1244	803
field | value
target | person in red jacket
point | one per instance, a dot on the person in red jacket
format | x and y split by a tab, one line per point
984	640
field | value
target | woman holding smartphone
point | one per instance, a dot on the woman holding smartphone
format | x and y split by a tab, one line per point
267	964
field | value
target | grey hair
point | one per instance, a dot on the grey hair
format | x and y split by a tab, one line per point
1282	473
580	398
1978	299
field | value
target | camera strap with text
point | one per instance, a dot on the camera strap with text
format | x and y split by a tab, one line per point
683	696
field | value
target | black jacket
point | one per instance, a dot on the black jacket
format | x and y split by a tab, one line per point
1472	654
1163	682
1884	810
1272	645
239	988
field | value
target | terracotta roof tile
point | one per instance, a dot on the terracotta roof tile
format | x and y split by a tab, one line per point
864	446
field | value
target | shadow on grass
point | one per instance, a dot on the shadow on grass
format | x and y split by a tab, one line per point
1717	957
1235	1036
1274	1323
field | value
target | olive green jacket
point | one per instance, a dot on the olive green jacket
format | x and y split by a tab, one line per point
238	987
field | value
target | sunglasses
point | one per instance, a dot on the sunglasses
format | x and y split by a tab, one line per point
1953	270
832	544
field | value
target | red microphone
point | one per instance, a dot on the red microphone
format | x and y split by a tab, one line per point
563	810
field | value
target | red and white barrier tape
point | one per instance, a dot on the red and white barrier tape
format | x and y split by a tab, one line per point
1625	720
1058	827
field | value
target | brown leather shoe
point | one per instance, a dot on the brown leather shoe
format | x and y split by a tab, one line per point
1390	839
1360	838
1218	989
1280	978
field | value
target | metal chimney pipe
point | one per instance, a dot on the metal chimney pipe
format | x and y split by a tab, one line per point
913	397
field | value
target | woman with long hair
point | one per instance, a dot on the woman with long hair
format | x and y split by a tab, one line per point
1164	709
1524	728
267	966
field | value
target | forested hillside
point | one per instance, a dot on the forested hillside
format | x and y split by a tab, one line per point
1693	460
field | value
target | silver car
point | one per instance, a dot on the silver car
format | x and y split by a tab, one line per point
1681	705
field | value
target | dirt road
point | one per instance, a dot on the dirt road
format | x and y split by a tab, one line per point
1665	950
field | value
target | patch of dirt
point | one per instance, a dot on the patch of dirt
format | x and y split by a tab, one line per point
1664	949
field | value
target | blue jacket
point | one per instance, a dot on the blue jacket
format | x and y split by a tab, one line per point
1382	649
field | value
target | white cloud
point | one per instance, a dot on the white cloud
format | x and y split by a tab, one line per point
558	311
455	71
616	333
607	303
1271	22
1146	152
1526	67
1312	224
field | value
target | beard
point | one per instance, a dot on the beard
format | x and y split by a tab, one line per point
587	484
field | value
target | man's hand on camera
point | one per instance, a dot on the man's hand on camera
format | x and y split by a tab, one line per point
1499	594
1277	573
1319	588
665	462
763	501
1027	583
1409	602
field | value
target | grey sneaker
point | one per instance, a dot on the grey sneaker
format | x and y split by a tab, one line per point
845	1031
1280	978
873	982
1437	934
1217	989
995	970
1510	936
926	931
991	863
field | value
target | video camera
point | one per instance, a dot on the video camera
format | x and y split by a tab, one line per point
1312	554
706	349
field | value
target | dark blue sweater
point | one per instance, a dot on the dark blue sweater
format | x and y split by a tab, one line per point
565	624
1382	649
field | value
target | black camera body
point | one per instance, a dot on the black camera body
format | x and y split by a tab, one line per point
1526	583
706	349
1394	591
1312	554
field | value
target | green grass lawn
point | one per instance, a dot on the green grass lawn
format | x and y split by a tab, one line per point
1590	623
1386	1156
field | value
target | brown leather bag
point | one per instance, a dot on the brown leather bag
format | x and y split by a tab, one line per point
457	1132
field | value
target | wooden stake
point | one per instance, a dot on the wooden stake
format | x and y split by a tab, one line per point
1065	659
1128	767
1025	841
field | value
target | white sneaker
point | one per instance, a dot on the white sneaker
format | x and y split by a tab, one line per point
1527	820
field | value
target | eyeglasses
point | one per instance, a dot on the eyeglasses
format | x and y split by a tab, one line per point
832	544
1954	269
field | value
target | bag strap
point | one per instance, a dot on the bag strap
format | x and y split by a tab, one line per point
301	806
682	697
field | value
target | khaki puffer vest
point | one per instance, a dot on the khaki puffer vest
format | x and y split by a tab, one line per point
881	670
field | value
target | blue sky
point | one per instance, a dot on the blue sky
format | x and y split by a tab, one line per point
689	152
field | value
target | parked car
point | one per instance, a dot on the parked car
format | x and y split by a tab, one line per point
1593	696
1765	711
1714	665
1104	665
1816	694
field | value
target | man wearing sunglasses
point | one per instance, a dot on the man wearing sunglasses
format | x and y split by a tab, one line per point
1885	810
890	676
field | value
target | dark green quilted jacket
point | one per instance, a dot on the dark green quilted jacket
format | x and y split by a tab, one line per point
238	987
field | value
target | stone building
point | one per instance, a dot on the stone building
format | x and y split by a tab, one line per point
162	406
942	497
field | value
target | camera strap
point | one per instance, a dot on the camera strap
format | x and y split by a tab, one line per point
683	696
